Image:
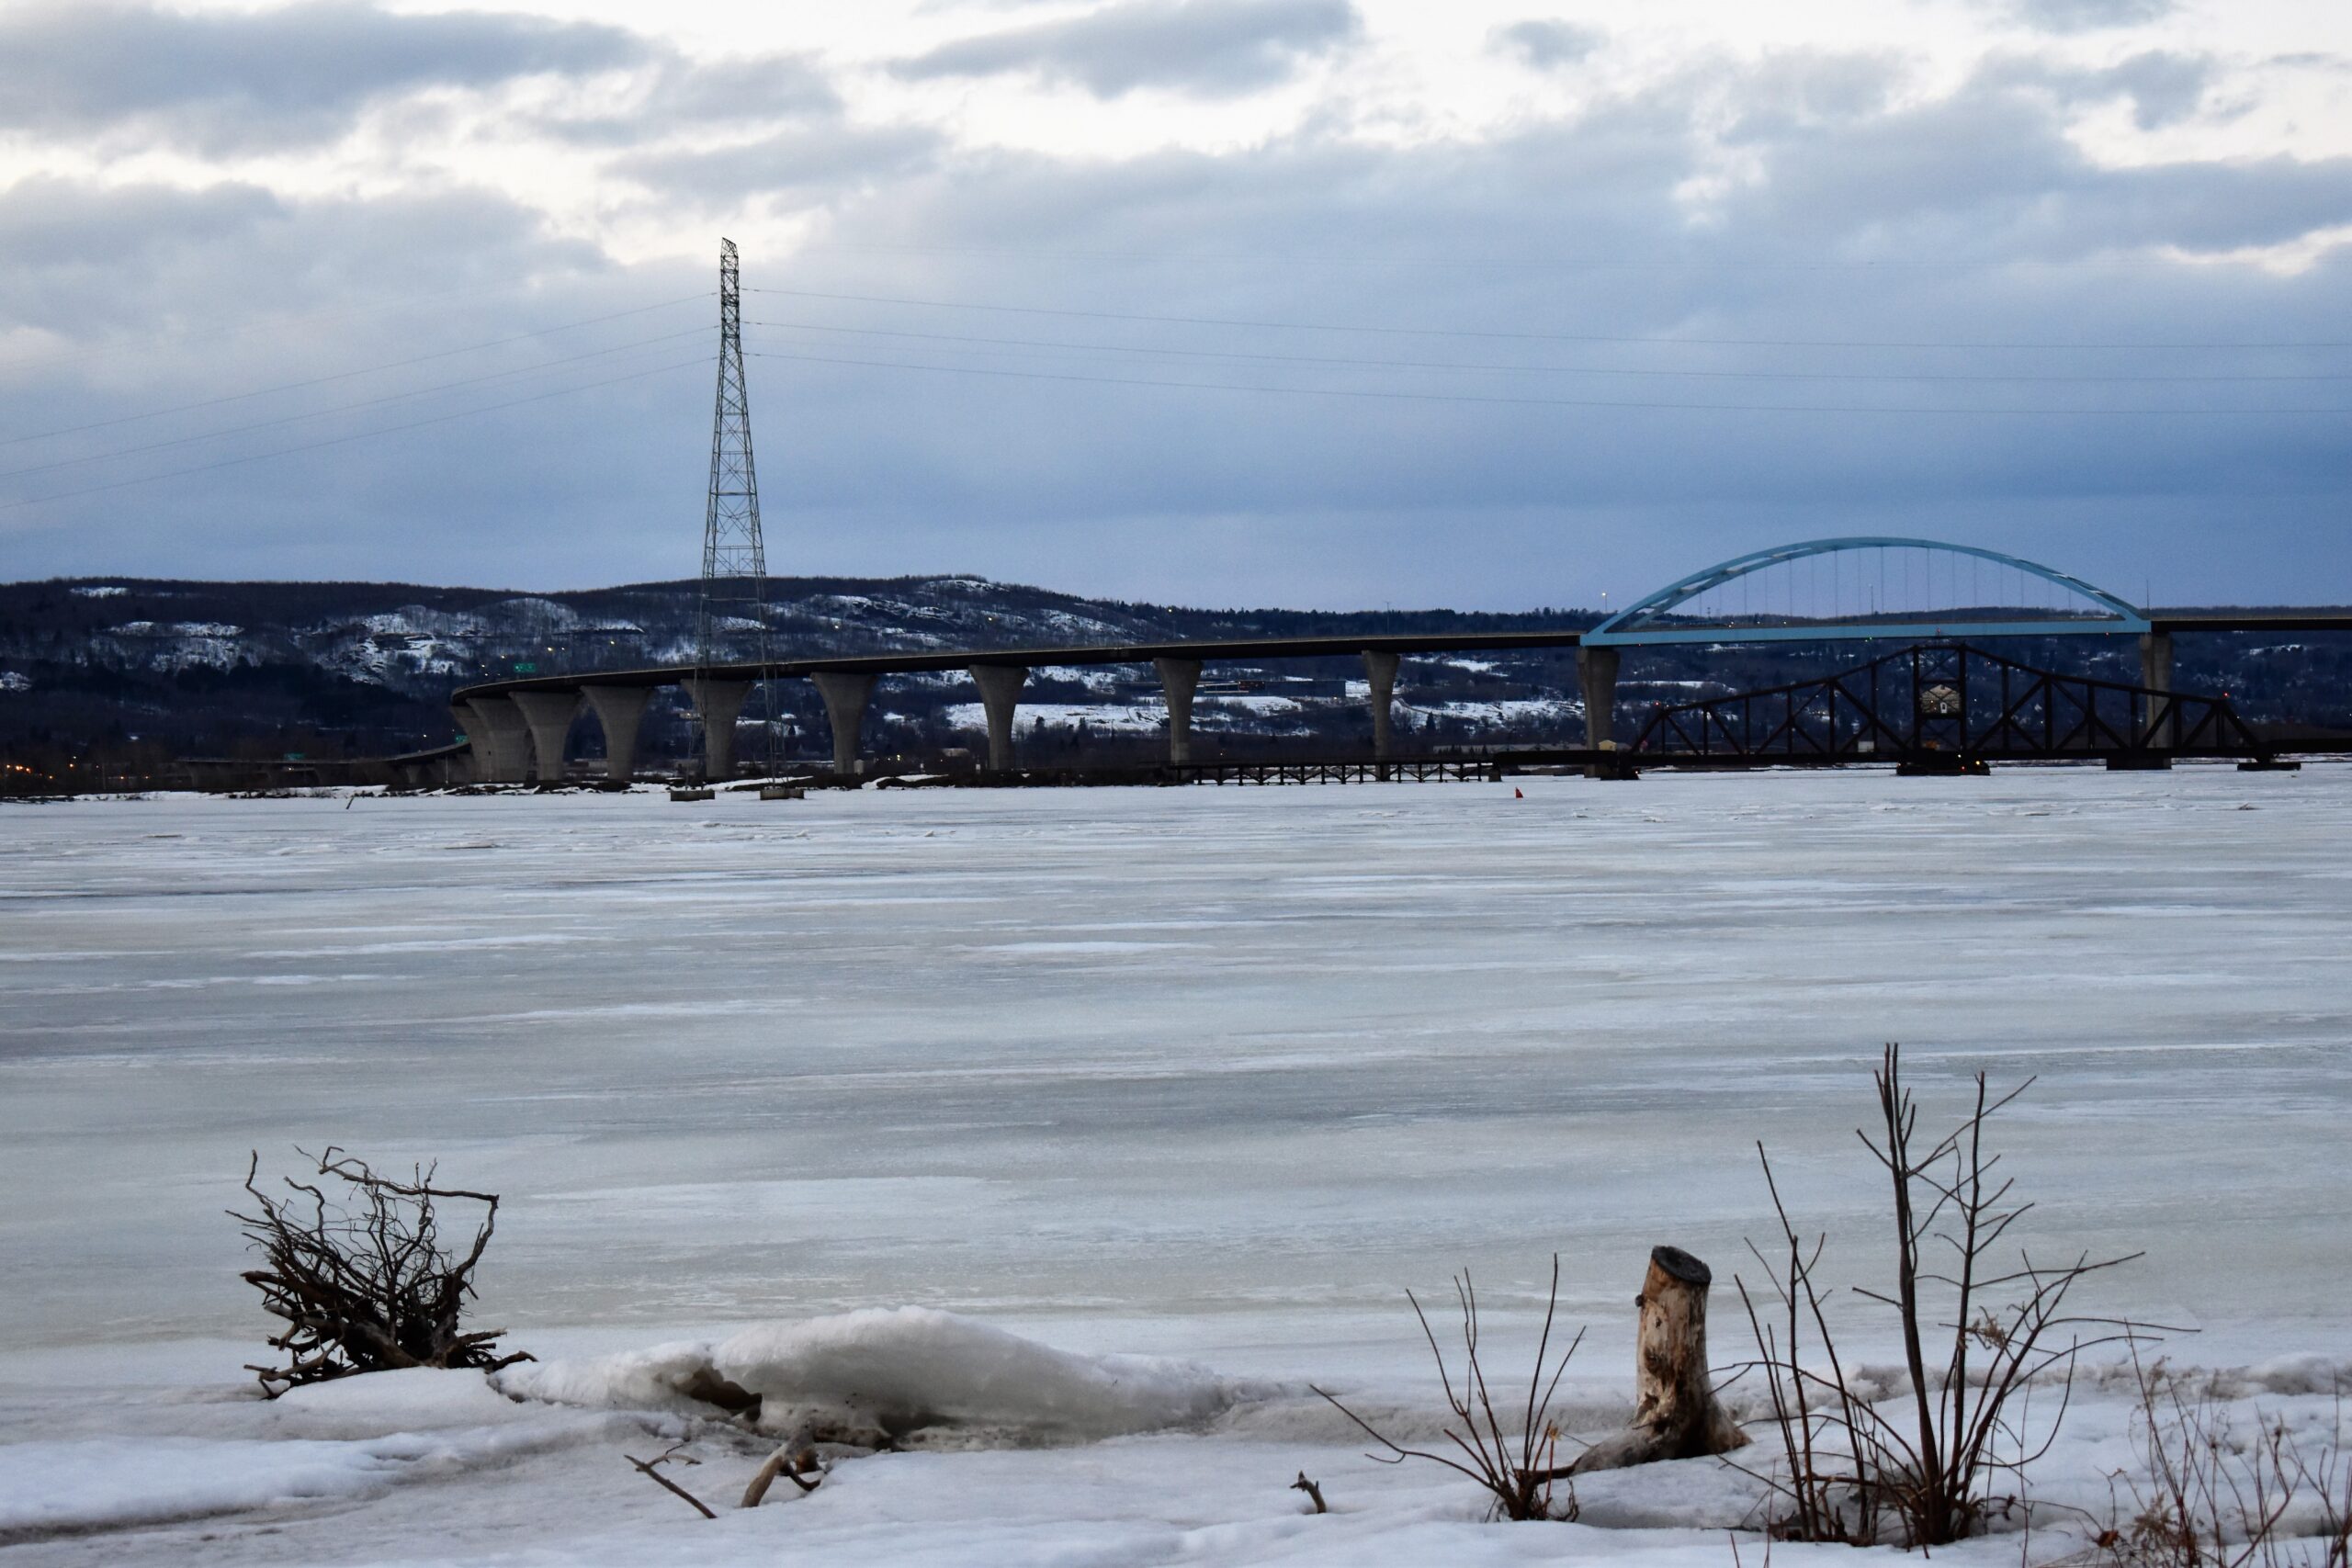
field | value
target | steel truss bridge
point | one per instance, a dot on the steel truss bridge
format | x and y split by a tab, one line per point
1945	706
1945	699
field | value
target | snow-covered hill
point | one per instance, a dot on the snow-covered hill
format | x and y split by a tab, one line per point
142	670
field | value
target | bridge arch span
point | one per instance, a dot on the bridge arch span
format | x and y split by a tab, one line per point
2077	608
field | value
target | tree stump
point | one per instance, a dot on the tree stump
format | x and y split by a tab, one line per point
1676	1415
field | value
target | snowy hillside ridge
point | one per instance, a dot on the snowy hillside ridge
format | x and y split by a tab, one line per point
898	1375
367	669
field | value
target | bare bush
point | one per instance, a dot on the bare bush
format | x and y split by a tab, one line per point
2209	1494
1517	1466
1923	1468
361	1279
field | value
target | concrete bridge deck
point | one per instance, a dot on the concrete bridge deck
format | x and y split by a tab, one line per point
515	727
511	726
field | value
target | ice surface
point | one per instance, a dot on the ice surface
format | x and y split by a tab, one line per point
1203	1074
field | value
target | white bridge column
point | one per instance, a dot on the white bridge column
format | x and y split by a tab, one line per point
621	710
846	694
1000	687
2155	673
547	715
496	732
1178	677
719	704
1380	674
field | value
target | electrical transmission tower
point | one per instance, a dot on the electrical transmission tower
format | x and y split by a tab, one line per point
734	561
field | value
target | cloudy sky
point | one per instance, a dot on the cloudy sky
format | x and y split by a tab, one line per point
1317	303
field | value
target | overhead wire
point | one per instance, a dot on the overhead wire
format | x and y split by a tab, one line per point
349	375
1395	396
425	392
1400	262
699	361
1359	362
278	323
1394	331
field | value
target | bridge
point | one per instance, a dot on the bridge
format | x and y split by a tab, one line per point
1867	589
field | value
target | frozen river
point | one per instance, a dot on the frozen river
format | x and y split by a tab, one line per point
1205	1070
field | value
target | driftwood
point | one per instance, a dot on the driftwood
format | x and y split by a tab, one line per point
645	1467
1314	1492
1676	1413
795	1461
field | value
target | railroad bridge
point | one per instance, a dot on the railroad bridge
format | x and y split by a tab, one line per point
1870	589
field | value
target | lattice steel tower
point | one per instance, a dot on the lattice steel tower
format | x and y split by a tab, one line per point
734	561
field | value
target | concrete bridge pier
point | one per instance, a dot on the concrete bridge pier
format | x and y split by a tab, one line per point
2155	673
1596	677
1178	679
719	704
1380	674
1000	687
845	694
499	737
621	710
547	715
462	720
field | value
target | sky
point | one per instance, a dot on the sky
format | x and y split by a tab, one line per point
1322	303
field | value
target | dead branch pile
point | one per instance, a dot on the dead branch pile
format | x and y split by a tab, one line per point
360	1278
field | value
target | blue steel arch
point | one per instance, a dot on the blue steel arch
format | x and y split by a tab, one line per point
1626	628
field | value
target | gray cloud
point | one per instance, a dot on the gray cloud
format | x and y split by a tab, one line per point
2087	16
2165	87
1990	173
1210	48
298	73
1543	42
687	95
837	157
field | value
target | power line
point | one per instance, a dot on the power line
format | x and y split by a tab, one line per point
1565	264
1532	403
280	324
1528	337
347	407
347	375
1547	369
358	435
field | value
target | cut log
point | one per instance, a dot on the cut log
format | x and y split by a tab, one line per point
1676	1415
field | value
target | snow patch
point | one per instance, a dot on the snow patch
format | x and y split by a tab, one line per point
906	1369
353	1438
901	1373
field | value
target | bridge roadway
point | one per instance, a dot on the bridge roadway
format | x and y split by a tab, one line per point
509	725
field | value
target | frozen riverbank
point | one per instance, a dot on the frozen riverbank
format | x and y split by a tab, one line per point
1196	1073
